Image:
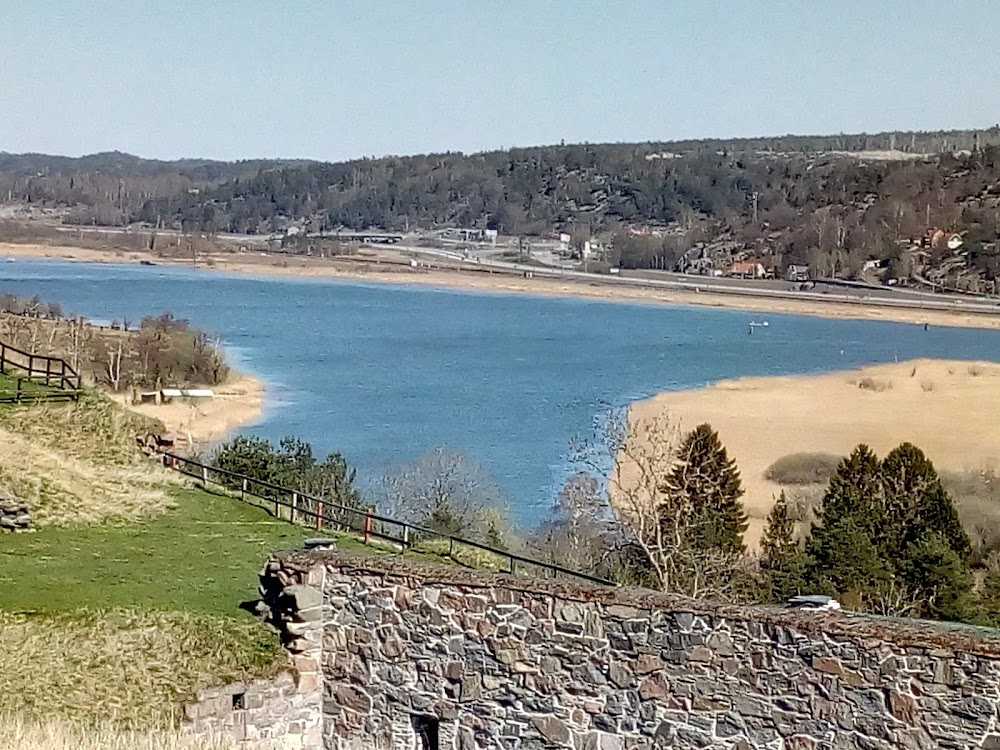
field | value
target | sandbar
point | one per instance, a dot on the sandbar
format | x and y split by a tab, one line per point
946	408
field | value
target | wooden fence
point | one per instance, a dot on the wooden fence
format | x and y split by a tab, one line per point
37	376
301	508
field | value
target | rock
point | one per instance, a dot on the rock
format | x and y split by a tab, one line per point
902	707
353	698
552	729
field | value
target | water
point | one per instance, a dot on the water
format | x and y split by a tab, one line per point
382	373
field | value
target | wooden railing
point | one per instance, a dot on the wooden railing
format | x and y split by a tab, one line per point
323	514
57	375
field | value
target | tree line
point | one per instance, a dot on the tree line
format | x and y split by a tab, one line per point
160	351
666	513
806	200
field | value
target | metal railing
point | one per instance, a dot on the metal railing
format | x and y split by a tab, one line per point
55	374
323	514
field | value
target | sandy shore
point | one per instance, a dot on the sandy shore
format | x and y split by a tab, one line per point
237	403
395	273
947	408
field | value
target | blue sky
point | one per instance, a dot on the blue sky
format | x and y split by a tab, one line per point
337	79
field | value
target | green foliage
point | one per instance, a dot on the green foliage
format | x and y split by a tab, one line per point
782	561
705	483
989	591
293	465
889	538
939	578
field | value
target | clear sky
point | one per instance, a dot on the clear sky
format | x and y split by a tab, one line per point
336	79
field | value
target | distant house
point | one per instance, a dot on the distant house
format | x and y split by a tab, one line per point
747	269
938	239
797	273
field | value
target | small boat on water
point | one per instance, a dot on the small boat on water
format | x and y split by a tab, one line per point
755	324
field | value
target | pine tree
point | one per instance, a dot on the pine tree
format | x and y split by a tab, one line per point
782	562
706	483
889	538
915	505
989	593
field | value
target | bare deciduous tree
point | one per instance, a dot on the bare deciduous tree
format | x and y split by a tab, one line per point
447	492
637	454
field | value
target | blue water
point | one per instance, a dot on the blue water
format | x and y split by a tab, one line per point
382	373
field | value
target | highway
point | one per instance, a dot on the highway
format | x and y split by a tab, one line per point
735	287
884	297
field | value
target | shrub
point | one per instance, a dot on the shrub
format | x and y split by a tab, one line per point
874	384
803	468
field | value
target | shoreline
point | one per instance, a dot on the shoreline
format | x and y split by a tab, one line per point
256	264
238	403
929	402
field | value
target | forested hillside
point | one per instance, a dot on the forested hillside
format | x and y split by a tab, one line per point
832	202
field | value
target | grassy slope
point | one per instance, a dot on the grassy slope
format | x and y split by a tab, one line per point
77	462
200	556
125	599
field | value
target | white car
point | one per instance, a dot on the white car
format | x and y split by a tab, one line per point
814	601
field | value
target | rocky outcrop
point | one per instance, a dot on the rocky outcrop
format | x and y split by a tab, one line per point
14	515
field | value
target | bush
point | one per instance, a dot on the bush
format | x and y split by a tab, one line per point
874	384
292	465
803	468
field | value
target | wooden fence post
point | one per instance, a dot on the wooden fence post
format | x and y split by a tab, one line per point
295	505
319	516
243	490
368	523
406	537
204	476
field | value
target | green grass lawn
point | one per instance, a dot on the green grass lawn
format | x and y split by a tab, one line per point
202	556
29	388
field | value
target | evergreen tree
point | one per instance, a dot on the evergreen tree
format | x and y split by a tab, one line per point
706	483
915	505
841	549
939	578
989	593
782	562
889	538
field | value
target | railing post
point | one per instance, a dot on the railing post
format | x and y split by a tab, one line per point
17	397
451	546
319	515
3	357
368	523
204	476
31	364
243	490
295	505
48	367
406	536
512	566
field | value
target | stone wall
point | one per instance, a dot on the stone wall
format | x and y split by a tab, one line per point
262	714
435	657
14	514
284	713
